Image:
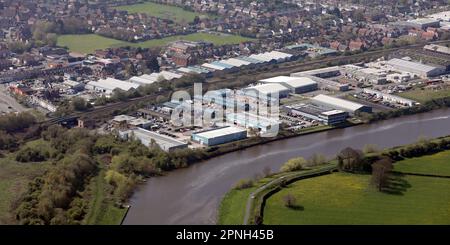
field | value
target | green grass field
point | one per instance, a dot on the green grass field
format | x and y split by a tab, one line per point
342	198
425	95
88	43
437	164
163	11
348	199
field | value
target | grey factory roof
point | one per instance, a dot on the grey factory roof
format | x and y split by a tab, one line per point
160	139
268	88
317	71
411	65
294	82
123	118
348	105
111	84
220	132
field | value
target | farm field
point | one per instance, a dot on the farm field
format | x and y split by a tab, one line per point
343	198
436	164
348	199
163	11
88	43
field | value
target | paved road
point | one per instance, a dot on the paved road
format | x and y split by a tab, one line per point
7	101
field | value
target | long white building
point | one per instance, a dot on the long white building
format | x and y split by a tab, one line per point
419	69
297	85
108	85
341	104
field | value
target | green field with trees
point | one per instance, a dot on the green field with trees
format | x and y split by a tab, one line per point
391	186
344	198
163	11
88	43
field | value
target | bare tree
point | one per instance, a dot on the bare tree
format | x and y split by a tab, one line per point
380	172
317	159
267	171
350	159
289	200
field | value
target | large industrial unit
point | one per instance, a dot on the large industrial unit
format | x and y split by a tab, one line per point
322	72
248	120
147	138
320	75
341	104
143	80
322	114
108	85
297	85
419	69
263	91
272	57
368	75
219	136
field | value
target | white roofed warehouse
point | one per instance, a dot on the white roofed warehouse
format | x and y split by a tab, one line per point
297	85
341	104
219	136
108	85
419	69
268	90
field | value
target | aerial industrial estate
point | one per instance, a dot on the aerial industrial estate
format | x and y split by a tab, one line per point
263	103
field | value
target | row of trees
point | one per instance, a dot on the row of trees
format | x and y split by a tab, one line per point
13	122
380	164
45	32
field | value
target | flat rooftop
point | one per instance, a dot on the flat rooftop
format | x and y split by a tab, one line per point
337	102
123	118
159	138
213	133
294	82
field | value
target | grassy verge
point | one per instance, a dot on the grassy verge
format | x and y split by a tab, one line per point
232	208
102	209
